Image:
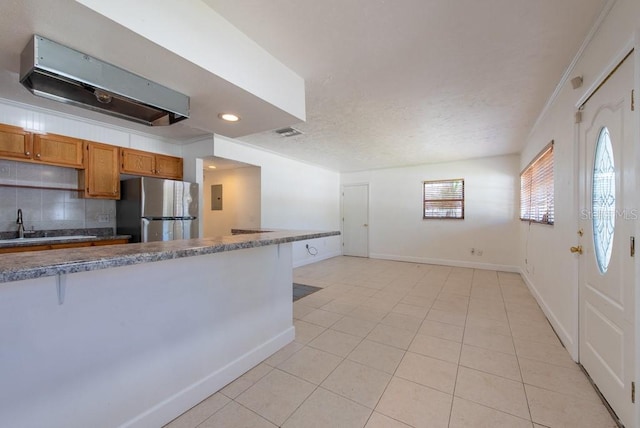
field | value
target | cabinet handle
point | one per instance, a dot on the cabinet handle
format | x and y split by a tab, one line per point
38	155
27	153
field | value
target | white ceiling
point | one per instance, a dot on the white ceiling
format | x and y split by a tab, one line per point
388	83
405	82
213	163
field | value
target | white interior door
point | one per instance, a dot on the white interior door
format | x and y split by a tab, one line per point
607	215
355	220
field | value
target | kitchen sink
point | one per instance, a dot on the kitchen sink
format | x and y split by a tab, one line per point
47	239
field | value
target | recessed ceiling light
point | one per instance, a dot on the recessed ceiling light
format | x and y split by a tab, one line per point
212	167
229	117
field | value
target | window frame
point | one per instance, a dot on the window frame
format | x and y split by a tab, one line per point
425	200
540	173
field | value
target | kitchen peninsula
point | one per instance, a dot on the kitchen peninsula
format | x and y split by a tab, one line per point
135	334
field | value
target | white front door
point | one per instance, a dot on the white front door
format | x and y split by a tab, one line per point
355	220
607	216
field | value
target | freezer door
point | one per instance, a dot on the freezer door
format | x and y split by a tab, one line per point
168	230
158	230
186	197
158	197
185	229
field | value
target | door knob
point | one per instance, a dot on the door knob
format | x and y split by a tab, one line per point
577	249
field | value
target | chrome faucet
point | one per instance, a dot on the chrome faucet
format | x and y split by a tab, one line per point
20	224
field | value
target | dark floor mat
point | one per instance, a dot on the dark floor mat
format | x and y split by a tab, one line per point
301	290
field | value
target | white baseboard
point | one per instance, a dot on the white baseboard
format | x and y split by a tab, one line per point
182	401
569	343
445	262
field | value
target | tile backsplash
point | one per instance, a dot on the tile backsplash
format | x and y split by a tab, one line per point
45	209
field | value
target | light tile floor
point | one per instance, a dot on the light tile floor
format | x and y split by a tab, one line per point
390	344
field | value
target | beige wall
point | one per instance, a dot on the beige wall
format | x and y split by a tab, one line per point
397	230
240	201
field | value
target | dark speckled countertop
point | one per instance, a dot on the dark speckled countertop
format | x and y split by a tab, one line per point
35	264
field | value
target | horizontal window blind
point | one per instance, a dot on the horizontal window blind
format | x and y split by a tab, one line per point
536	188
444	199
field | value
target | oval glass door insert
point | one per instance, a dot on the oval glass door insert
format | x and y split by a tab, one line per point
603	200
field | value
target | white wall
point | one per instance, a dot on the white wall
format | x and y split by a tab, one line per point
397	230
58	209
550	270
136	346
294	195
240	201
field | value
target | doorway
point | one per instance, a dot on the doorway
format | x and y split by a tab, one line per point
231	197
606	228
355	220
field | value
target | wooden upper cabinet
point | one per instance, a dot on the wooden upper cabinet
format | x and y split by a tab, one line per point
58	150
101	177
169	167
138	162
15	143
51	149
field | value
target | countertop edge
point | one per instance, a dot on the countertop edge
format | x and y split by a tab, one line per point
20	266
62	240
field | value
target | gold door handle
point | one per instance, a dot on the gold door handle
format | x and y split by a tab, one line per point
577	249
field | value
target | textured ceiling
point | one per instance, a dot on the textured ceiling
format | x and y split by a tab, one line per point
394	83
388	82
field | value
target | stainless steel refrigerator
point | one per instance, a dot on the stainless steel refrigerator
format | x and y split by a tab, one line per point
153	209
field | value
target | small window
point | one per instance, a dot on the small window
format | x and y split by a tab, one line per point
444	199
536	188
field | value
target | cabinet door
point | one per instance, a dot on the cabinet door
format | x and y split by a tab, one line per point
101	177
58	150
137	162
15	143
169	167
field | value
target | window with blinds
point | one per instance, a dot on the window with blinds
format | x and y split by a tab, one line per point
536	188
444	199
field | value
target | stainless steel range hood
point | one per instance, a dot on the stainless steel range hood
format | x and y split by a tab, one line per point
54	71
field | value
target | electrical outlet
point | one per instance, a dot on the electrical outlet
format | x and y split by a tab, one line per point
103	218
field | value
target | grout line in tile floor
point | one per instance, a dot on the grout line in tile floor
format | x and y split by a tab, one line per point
408	303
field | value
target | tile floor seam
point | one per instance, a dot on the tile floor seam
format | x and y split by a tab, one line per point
210	416
596	398
343	357
299	405
387	386
455	383
520	370
499	410
421	386
256	413
575	366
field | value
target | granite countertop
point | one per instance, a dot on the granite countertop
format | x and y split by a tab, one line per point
36	264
